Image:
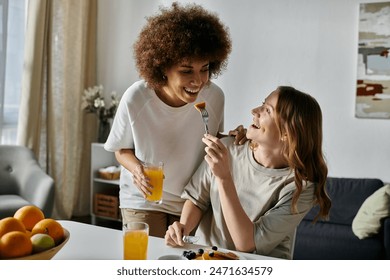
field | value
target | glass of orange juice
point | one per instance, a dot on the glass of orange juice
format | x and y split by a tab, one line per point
135	241
155	173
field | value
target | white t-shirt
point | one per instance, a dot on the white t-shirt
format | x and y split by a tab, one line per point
158	132
264	193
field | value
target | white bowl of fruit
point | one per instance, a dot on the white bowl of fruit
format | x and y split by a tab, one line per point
29	235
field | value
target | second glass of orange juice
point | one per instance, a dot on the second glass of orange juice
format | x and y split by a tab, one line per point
155	173
135	241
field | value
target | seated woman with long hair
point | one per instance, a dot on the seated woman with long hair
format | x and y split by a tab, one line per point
252	197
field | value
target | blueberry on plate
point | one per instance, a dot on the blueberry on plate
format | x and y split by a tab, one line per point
192	255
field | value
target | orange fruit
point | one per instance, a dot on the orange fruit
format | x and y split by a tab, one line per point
50	227
15	244
11	224
29	215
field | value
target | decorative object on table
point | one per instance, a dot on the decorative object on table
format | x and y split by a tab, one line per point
373	67
94	99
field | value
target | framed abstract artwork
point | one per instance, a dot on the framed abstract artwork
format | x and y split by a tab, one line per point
373	68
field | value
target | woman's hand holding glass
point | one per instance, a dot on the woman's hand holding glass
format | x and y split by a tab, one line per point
148	178
141	181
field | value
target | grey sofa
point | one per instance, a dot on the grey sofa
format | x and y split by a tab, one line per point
334	239
23	182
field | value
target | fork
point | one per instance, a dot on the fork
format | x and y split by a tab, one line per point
190	239
205	117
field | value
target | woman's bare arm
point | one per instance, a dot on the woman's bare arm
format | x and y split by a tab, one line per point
239	225
189	219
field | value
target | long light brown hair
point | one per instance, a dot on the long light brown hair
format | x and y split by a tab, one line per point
299	119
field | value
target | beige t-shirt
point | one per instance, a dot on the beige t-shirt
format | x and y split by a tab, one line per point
264	195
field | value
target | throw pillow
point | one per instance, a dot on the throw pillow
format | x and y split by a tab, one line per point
367	221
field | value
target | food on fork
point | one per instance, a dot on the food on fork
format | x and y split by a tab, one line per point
199	106
209	254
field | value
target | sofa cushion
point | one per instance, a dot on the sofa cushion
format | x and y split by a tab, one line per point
347	195
326	241
8	184
9	203
367	221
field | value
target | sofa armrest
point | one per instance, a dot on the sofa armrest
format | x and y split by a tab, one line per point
38	188
386	236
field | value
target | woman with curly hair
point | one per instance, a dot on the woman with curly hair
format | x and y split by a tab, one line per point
252	197
177	52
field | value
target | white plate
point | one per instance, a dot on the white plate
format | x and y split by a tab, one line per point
172	257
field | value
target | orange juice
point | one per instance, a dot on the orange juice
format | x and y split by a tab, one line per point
156	176
135	244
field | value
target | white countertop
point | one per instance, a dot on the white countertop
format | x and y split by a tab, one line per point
90	242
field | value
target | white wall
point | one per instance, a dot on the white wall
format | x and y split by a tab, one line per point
308	44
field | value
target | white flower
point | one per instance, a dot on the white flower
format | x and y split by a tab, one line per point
94	100
99	103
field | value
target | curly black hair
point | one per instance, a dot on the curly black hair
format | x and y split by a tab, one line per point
177	34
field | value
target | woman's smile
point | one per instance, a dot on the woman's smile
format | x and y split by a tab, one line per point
256	126
192	91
